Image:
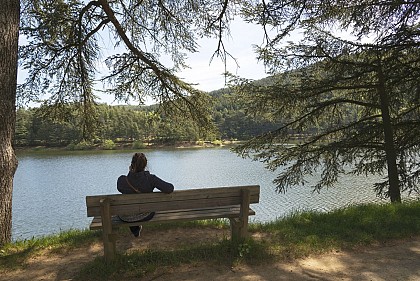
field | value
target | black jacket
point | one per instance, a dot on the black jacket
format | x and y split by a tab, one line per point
144	182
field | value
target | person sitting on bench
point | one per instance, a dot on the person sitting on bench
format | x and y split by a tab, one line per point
139	180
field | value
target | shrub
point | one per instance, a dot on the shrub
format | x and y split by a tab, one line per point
138	145
217	142
83	145
108	145
71	146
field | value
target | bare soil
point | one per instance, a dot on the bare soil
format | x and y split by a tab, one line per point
394	260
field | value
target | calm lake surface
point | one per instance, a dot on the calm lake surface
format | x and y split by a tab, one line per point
50	188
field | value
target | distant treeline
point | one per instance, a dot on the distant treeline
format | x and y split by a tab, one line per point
137	124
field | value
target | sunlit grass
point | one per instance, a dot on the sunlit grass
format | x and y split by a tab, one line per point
304	233
298	235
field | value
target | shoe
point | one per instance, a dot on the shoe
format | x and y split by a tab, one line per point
137	232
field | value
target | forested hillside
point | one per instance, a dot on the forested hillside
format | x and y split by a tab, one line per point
138	125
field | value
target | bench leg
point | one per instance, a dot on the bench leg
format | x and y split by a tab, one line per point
108	237
239	229
239	226
243	230
109	246
234	229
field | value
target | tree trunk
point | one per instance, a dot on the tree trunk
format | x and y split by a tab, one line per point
9	37
391	155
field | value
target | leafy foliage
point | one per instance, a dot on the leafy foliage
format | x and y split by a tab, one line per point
357	102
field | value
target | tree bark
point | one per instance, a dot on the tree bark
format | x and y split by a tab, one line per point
391	155
9	37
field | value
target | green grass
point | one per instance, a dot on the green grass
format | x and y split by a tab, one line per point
298	235
304	233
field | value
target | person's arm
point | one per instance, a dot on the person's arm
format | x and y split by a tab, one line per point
162	185
121	182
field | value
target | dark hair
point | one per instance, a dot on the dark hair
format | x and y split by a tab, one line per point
138	162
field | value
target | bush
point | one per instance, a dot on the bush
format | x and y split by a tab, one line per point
200	142
138	145
83	145
217	142
108	145
71	146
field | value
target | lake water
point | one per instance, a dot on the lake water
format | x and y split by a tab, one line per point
50	188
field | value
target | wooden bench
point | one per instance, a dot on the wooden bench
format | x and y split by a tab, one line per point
181	205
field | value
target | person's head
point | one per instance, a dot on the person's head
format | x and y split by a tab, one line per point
138	162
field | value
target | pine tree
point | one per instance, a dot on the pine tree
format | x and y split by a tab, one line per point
356	101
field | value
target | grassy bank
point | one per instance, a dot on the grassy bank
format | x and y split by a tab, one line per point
298	235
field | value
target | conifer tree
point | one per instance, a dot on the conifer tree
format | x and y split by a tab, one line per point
355	100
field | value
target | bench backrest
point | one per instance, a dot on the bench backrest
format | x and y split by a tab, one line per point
124	204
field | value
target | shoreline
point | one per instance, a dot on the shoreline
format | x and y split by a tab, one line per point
129	146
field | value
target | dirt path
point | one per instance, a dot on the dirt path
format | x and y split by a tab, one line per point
396	260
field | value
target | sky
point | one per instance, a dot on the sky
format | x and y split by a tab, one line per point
207	74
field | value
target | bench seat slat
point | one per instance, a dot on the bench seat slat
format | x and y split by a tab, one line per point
177	215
